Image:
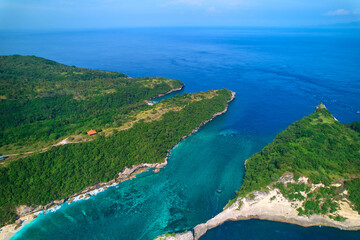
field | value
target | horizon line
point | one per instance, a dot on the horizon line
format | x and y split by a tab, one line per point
333	26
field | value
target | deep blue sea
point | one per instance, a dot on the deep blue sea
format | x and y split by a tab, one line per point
279	75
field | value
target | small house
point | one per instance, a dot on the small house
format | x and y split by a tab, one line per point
91	132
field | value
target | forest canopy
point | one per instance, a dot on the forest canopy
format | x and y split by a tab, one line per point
42	101
67	169
318	147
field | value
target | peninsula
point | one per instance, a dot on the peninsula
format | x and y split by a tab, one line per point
309	175
45	103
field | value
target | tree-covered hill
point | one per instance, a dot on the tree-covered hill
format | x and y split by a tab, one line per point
317	147
29	77
42	101
64	170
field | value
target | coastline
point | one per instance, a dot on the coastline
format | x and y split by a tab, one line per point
30	213
279	210
273	206
163	94
66	141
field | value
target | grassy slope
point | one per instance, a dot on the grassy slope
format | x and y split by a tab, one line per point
317	147
64	170
42	101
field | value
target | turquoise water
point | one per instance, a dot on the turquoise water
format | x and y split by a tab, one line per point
178	197
280	75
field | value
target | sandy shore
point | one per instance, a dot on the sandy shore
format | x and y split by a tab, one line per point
27	214
274	206
9	230
280	209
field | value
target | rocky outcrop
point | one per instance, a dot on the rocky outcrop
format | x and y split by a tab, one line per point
24	210
273	206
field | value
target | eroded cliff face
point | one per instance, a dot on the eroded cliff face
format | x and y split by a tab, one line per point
273	205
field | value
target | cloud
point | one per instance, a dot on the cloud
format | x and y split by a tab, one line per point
338	12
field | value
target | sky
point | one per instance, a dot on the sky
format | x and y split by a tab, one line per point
104	14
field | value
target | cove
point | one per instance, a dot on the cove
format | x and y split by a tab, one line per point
279	76
162	202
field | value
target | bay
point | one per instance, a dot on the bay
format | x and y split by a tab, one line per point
280	75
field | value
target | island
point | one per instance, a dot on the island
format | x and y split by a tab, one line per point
309	175
67	132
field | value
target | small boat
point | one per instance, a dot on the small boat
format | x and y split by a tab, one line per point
219	191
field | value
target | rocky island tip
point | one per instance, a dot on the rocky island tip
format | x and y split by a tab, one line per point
309	176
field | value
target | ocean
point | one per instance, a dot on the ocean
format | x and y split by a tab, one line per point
279	75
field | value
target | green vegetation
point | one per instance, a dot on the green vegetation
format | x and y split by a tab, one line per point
64	170
230	202
321	200
251	196
292	191
42	101
338	218
353	188
170	234
317	147
240	203
355	126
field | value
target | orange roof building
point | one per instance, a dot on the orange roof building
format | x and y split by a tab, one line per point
91	132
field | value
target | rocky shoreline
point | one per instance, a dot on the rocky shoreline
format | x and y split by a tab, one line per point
273	206
234	214
30	213
262	207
